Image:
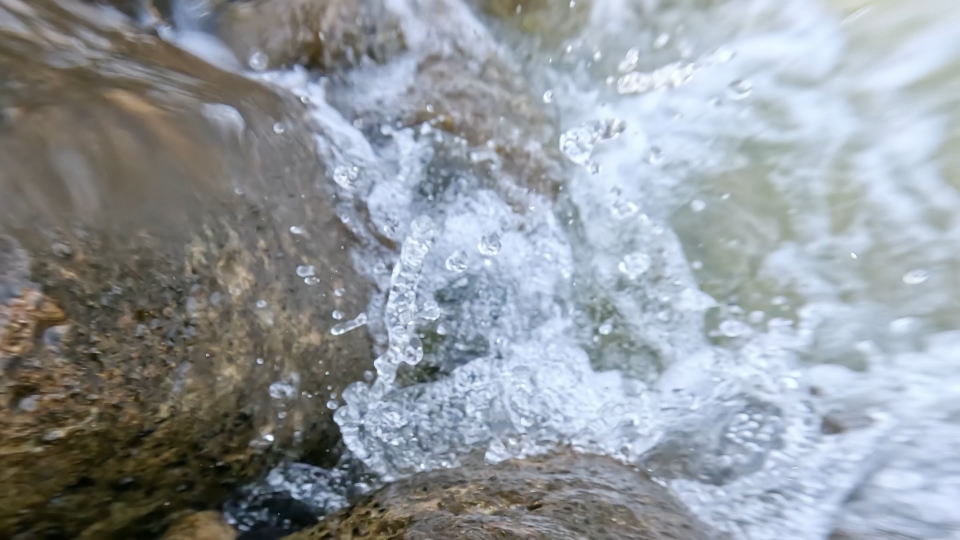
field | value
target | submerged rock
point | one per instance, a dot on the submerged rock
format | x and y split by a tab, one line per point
159	341
562	496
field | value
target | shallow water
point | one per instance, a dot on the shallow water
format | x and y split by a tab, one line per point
746	284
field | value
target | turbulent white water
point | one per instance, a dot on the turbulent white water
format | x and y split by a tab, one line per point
748	284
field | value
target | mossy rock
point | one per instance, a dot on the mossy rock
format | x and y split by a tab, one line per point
149	293
564	496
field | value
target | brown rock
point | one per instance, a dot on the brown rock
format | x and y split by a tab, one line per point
560	497
149	293
201	526
550	20
323	34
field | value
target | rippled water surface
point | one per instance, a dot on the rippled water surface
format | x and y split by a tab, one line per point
745	280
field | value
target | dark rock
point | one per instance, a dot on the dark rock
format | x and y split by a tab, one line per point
157	345
560	497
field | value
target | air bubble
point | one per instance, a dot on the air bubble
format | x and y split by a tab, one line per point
697	205
297	230
258	61
337	315
312	280
548	96
279	128
306	270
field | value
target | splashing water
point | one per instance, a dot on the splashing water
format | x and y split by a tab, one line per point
753	297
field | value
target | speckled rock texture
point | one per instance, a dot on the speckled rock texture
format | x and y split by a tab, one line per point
564	496
158	345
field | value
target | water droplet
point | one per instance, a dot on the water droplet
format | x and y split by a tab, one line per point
306	270
697	205
258	61
282	390
635	265
697	265
656	155
259	361
610	128
269	438
312	280
904	326
261	304
916	277
489	244
668	76
368	375
740	89
430	311
605	328
723	56
391	225
548	96
577	144
297	230
339	292
756	317
346	177
629	62
337	315
347	326
332	405
61	250
733	328
624	209
661	41
279	128
457	262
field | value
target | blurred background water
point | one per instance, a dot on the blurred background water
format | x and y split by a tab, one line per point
746	281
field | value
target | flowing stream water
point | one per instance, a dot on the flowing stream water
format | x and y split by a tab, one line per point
747	283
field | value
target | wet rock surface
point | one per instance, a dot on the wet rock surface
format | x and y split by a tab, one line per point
322	34
562	496
207	525
169	263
